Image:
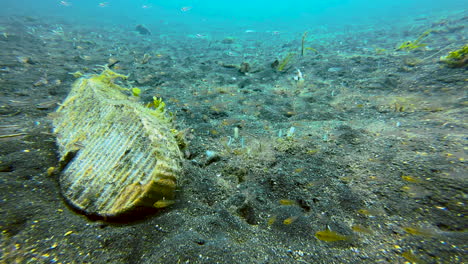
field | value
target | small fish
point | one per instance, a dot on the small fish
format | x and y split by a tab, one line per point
330	236
411	179
65	3
287	202
364	212
298	170
51	171
103	4
420	19
312	151
146	6
54	115
419	231
46	105
415	191
186	8
231	54
369	212
411	257
163	203
290	220
272	220
361	229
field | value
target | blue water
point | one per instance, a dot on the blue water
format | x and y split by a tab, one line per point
207	15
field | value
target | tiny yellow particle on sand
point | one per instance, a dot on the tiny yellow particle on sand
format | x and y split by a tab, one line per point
396	246
26	151
60	210
68	233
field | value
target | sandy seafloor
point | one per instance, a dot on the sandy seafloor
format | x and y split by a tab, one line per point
377	153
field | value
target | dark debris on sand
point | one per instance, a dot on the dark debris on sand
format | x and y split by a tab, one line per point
370	144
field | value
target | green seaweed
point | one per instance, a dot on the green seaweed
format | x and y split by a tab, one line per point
158	105
412	45
285	61
457	58
304	36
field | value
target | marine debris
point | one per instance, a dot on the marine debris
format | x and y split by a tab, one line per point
124	157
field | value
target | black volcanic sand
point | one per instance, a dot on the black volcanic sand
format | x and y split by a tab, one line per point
377	152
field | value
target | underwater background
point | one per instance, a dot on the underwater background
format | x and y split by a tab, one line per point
206	16
309	131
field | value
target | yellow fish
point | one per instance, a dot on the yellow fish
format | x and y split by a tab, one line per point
411	179
418	231
271	220
290	220
287	202
361	229
163	203
330	236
